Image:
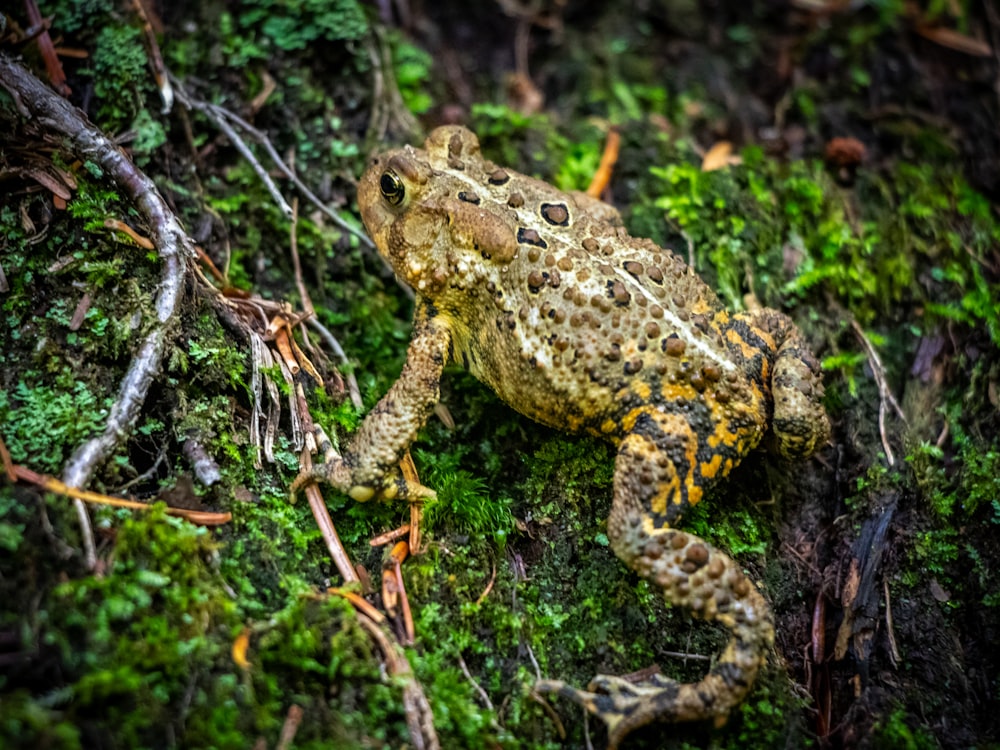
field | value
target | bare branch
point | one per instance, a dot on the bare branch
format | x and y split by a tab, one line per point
886	399
50	113
222	117
217	115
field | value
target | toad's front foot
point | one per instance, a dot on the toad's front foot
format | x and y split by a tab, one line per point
335	472
338	474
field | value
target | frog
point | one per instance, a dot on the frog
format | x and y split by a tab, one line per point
545	298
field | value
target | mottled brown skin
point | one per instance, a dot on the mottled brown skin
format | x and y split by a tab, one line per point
545	298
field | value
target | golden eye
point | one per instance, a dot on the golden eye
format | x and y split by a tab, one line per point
392	188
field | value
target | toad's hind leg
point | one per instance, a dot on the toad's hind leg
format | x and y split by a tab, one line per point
692	574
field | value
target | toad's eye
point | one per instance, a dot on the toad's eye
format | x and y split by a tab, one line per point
392	188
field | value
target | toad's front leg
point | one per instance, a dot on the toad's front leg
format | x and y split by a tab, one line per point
655	478
369	467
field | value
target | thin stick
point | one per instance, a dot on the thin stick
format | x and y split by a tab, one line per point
221	113
475	685
338	352
217	115
326	528
290	728
51	484
886	398
389	536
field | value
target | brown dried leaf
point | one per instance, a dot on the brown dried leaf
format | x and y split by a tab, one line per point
718	157
939	593
49	182
523	95
955	40
847	596
240	647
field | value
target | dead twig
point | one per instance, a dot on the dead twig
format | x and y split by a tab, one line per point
419	719
310	315
222	115
121	226
47	50
51	484
326	528
409	472
260	360
489	586
890	627
534	661
283	343
686	655
886	398
217	115
475	685
389	536
801	558
360	603
394	590
389	112
338	352
153	51
551	712
609	157
8	464
48	113
293	246
290	728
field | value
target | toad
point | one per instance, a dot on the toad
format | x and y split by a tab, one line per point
544	297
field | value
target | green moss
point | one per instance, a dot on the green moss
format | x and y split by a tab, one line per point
568	159
898	731
960	492
120	70
26	722
296	25
41	424
464	505
412	67
131	642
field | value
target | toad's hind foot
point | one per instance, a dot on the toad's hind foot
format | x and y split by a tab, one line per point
698	577
624	705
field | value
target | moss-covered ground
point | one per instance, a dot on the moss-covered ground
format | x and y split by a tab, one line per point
880	556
